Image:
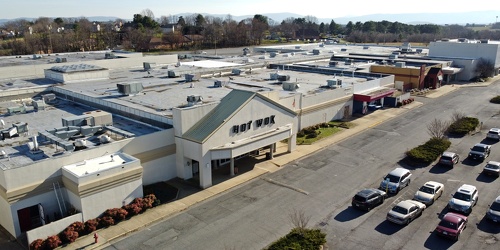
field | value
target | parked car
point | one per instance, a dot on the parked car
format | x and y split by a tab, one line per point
368	198
480	151
494	134
396	180
452	225
449	158
429	192
493	212
405	211
464	199
492	168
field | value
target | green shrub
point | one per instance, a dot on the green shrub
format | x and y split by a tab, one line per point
300	238
429	151
495	99
463	126
312	135
301	134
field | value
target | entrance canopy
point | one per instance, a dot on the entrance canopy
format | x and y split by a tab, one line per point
374	94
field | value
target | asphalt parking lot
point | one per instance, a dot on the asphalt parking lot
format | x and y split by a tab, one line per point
350	228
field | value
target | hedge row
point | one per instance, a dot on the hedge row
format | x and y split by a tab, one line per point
109	217
300	238
463	126
429	151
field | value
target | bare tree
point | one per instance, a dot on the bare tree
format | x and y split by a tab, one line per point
299	219
149	13
457	115
437	128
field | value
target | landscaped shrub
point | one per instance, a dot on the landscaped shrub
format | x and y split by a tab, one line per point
79	227
148	201
38	244
495	99
300	238
312	135
69	235
429	151
106	221
463	126
301	134
133	209
53	242
91	225
117	214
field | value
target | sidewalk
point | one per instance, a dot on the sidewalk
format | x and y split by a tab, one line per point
281	158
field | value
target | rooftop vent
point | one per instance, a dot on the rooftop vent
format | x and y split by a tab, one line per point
194	99
129	88
334	83
290	86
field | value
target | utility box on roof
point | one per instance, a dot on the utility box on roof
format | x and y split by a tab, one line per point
100	118
80	120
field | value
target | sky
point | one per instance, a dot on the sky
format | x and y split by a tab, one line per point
125	9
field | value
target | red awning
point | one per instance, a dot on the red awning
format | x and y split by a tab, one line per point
374	95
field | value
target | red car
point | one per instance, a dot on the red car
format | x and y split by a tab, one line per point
452	225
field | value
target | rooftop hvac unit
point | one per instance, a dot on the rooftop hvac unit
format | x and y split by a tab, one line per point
173	74
485	40
274	54
192	77
400	64
194	98
297	47
104	139
80	142
39	104
273	76
343	49
129	88
217	84
80	120
49	98
16	110
109	56
396	53
148	66
9	133
316	51
61	59
334	83
290	86
393	56
22	127
236	72
366	47
419	51
283	78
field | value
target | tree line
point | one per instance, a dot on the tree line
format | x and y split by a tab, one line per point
196	32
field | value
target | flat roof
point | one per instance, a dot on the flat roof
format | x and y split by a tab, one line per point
98	164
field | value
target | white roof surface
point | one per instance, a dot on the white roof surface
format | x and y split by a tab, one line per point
211	64
96	164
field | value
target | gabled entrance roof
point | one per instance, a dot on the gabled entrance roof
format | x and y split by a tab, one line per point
228	106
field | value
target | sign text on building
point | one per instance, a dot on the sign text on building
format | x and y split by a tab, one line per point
258	123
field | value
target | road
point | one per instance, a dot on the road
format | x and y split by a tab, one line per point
258	213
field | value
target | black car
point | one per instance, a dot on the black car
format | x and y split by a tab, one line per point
480	151
369	198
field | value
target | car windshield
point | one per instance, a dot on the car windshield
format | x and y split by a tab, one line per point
400	210
448	224
492	166
462	196
446	158
495	206
427	190
392	178
478	149
493	133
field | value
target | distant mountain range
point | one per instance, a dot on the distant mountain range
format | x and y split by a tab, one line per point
475	17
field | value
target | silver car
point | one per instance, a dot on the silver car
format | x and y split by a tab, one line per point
405	211
429	192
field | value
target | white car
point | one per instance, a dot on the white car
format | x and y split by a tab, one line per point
494	134
464	199
492	168
405	211
429	192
